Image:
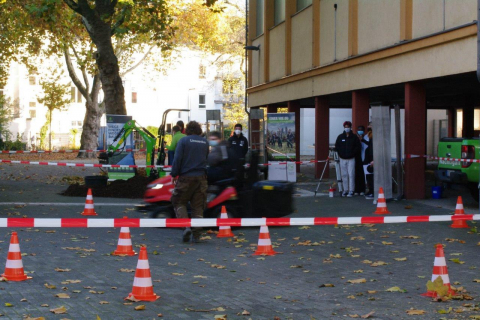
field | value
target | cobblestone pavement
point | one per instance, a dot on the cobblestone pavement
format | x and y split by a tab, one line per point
221	277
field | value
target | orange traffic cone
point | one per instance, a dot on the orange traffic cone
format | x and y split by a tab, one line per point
142	284
89	209
439	270
458	212
264	243
14	268
224	231
124	246
381	204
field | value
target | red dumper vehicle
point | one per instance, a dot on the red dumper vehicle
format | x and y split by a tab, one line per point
243	196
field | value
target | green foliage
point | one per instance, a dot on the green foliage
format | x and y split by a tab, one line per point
73	138
15	145
5	118
235	113
438	287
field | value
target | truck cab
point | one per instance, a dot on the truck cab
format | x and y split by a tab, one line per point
456	171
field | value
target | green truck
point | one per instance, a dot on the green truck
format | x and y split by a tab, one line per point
457	171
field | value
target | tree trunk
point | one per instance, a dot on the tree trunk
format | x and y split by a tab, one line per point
91	128
107	64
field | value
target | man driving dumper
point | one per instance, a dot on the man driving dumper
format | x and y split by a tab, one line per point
222	160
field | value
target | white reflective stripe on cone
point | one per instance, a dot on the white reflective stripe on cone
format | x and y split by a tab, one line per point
445	278
381	205
459	206
14	264
124	242
14	247
264	242
88	206
89	197
381	196
142	282
439	262
224	228
124	230
143	264
224	216
263	229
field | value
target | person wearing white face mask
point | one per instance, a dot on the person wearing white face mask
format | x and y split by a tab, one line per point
238	142
347	146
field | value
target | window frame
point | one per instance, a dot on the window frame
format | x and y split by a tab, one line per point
204	104
302	4
260	16
281	18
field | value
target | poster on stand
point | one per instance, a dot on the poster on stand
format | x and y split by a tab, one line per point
115	124
281	146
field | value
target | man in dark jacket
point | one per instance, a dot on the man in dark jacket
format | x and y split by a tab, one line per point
347	146
189	176
238	142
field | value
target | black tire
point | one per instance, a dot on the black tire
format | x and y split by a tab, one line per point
473	187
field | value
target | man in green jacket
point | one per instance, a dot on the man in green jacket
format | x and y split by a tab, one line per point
177	135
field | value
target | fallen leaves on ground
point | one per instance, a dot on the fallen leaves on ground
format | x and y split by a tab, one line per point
395	289
220	317
327	285
387	243
378	263
368	315
177	274
126	270
245	313
7	304
62	270
104	302
131	298
415	312
362	280
50	286
456	260
61	310
62	296
400	259
438	287
442	311
217	266
140	307
277	297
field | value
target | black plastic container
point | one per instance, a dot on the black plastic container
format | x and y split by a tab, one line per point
96	181
272	198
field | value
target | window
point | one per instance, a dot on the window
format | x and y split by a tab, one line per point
32	104
201	101
279	11
32	80
302	4
72	94
134	97
79	123
32	113
79	96
259	22
202	72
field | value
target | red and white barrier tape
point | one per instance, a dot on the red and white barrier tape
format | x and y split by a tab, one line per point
250	222
412	156
97	165
90	165
68	151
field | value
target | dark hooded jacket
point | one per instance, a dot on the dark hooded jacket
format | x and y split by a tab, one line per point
347	146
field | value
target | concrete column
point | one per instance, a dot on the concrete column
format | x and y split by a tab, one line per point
272	109
415	139
360	108
322	130
294	106
468	118
254	134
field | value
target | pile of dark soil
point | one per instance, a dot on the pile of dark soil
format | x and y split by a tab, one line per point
133	188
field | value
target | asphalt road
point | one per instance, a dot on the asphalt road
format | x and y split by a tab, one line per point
221	277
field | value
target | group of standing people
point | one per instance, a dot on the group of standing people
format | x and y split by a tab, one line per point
191	154
355	151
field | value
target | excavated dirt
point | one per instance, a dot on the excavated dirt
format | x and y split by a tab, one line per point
133	188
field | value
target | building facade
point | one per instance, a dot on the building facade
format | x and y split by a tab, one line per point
320	55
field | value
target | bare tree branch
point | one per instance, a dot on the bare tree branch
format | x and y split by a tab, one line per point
73	5
73	74
138	62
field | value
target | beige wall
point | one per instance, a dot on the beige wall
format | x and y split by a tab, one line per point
327	30
427	17
432	62
302	41
257	62
458	12
277	52
378	24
